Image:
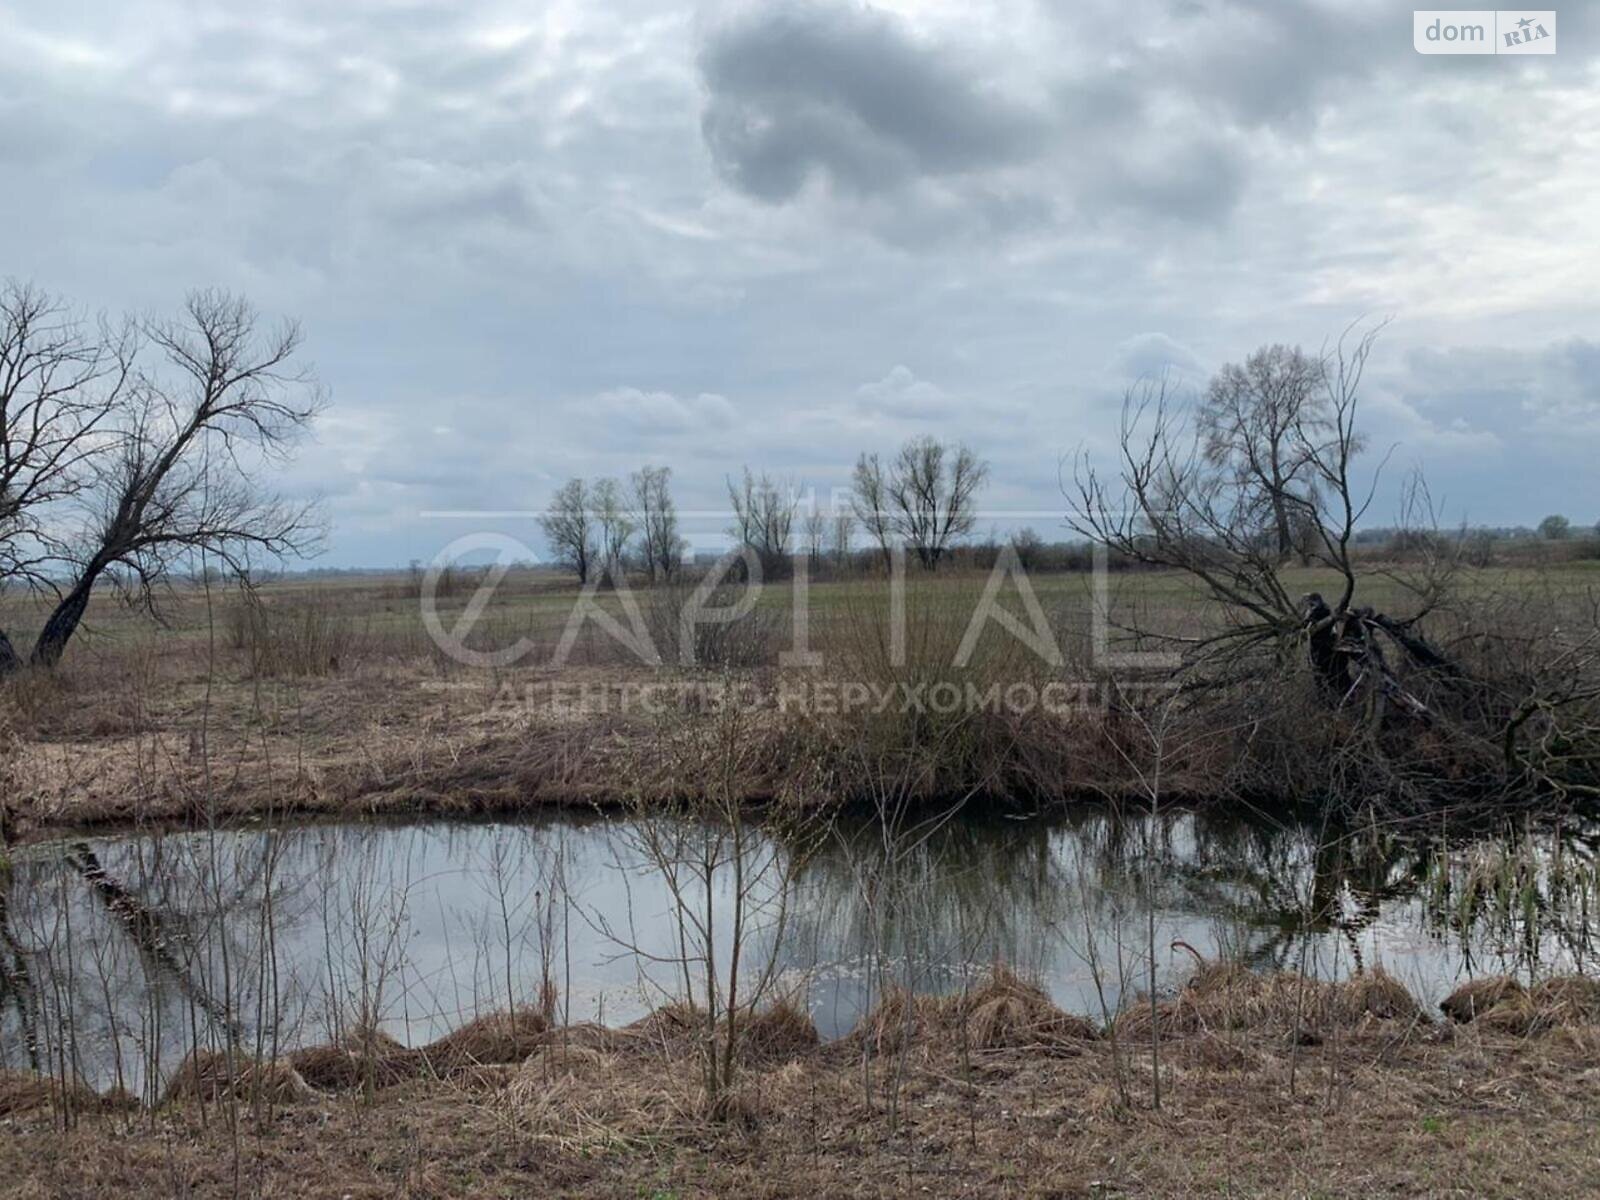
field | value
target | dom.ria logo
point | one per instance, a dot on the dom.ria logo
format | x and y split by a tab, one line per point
1484	31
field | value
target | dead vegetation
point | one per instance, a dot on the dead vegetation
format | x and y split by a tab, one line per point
1390	1108
1004	1012
212	1075
1226	996
1503	1004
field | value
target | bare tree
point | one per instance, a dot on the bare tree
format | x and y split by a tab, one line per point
1029	547
656	517
568	524
1555	527
127	453
1262	422
870	502
925	497
1177	503
816	532
843	532
58	385
615	525
763	513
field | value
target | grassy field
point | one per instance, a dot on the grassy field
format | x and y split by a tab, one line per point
331	695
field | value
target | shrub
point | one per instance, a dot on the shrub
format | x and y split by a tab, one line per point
302	635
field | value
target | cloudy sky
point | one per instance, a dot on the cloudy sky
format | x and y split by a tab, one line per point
531	240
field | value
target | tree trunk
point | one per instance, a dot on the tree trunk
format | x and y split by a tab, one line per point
9	662
1280	515
63	623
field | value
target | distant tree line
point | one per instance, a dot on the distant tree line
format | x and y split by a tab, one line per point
924	500
606	525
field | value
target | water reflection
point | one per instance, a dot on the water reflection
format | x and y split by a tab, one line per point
119	955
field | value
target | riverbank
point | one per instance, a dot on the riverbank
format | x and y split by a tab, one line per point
334	699
1361	1093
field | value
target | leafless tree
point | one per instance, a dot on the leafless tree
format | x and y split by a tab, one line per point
656	518
1029	547
125	453
1176	503
926	497
870	502
1263	422
615	524
763	514
843	532
816	532
1173	503
568	525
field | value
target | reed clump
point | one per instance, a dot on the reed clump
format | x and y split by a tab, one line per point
211	1075
25	1093
780	1031
1478	996
1009	1012
1230	996
1503	1004
1004	1012
498	1038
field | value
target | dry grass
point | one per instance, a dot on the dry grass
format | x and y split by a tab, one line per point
1478	996
1009	1012
1004	1012
499	1038
1223	996
1501	1003
780	1031
24	1093
609	1113
330	698
210	1075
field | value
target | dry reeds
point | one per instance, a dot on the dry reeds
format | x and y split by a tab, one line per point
300	636
1478	996
781	1030
1009	1012
1005	1012
1230	996
210	1075
24	1093
585	1100
1501	1003
498	1038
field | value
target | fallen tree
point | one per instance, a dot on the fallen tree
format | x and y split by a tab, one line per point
1488	707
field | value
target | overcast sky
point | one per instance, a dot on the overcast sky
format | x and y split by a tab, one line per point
531	240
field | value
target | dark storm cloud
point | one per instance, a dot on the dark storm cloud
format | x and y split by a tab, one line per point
856	99
849	92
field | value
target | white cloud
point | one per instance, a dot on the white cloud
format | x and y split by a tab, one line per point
901	394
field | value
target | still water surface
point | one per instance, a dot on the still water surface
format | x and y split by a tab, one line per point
121	953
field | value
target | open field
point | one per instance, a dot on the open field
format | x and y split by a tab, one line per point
331	695
1268	1087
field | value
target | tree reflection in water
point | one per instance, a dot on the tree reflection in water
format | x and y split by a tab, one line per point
118	956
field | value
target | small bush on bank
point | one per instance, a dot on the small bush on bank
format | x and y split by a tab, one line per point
297	636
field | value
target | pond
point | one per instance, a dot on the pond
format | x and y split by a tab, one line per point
120	953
